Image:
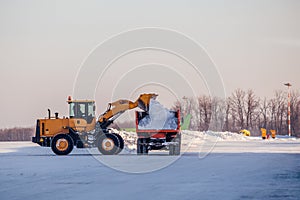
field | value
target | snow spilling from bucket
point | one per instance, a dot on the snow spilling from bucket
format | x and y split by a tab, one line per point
159	118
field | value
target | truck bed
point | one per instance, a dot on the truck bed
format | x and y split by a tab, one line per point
154	132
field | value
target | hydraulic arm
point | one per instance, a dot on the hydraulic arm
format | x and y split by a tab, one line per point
116	108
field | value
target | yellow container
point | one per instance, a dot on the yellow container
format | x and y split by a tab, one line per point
263	133
273	133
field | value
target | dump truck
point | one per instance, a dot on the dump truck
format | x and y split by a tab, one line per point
81	128
158	139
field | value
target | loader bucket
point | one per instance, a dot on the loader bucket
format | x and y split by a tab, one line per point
144	101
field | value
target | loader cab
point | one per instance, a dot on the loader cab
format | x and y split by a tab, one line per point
82	109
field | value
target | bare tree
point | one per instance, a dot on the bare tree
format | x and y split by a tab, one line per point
187	106
217	114
264	109
204	112
226	126
252	103
277	111
295	111
237	101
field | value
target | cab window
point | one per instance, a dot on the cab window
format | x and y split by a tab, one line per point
81	110
91	109
77	110
91	112
72	110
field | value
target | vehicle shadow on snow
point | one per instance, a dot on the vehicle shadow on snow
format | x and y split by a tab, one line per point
45	151
38	151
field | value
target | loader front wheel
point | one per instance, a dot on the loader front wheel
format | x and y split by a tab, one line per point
121	143
62	144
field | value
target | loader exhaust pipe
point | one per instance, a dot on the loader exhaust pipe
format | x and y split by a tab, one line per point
49	113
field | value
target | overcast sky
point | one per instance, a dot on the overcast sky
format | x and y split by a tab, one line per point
254	44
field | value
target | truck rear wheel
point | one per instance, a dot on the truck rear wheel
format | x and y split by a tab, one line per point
178	146
142	148
171	149
62	144
108	144
174	149
139	146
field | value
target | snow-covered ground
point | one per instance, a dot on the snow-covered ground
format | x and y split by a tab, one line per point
215	166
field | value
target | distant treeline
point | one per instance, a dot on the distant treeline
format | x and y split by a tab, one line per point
16	134
243	110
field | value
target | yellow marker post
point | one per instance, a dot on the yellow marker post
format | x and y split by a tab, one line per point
273	133
263	133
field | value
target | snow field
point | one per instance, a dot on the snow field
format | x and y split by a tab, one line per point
237	167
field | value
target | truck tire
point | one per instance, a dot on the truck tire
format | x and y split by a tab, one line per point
142	149
145	147
177	147
139	146
62	144
121	143
171	149
174	149
108	144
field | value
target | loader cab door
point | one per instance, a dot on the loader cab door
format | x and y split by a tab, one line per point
82	110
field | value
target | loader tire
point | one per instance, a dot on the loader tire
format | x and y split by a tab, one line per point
121	143
62	144
108	144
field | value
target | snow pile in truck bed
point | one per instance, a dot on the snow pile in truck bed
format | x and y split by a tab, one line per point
159	118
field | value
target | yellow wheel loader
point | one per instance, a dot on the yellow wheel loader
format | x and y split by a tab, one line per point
82	129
